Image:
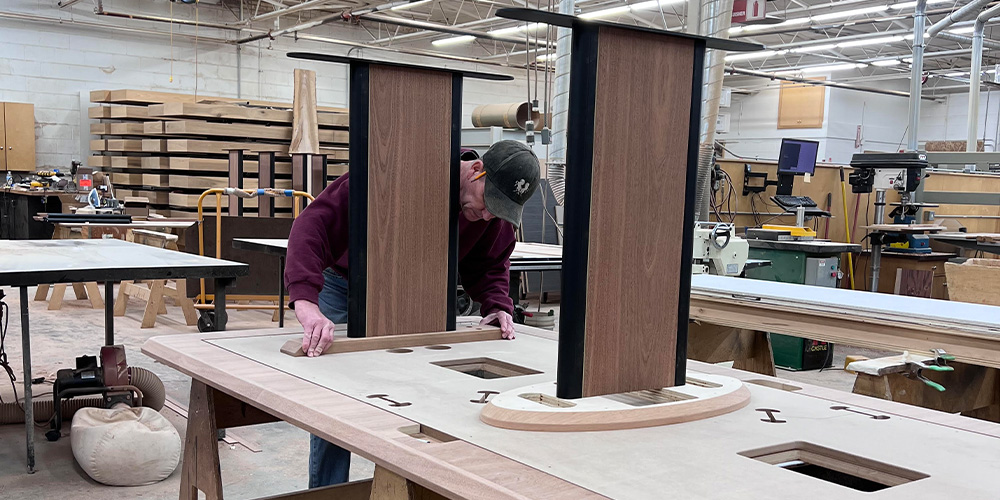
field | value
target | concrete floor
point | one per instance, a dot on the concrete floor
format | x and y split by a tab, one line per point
280	466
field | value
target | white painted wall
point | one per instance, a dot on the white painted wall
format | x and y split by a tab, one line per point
753	126
948	120
49	65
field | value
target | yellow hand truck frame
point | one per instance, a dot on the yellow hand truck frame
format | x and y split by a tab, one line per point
206	320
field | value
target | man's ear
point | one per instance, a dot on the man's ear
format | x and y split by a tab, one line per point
477	166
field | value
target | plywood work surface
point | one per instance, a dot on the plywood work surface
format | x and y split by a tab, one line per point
408	200
635	252
691	460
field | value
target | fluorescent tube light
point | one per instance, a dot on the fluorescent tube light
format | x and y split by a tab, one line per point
870	41
887	62
815	48
453	40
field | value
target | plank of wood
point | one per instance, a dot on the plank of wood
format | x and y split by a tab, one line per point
976	281
914	282
221	147
155	197
209	182
134	96
127	179
906	228
156	180
240	113
99	112
305	131
153	128
342	345
403	298
114	161
126	128
634	258
248	130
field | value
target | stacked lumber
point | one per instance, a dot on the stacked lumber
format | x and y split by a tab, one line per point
169	148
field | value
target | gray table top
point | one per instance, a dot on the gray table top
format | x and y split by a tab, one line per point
36	262
522	251
813	247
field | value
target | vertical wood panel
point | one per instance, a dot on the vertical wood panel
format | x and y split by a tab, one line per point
643	84
409	163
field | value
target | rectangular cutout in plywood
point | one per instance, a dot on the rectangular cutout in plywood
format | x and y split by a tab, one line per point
486	368
801	105
834	466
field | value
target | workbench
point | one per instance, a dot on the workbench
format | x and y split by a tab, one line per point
890	261
980	242
18	208
526	257
420	424
26	263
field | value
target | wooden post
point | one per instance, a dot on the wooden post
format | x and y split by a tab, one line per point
317	174
627	268
265	179
235	180
401	116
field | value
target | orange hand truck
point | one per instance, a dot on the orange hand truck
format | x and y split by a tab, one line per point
206	320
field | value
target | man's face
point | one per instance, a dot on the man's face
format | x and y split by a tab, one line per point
471	192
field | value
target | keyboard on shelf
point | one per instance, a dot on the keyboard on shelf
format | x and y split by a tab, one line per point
789	201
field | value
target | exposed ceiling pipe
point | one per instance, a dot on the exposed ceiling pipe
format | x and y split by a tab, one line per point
310	4
969	11
916	74
67	3
825	83
160	19
556	164
397	21
317	21
993	44
114	27
976	75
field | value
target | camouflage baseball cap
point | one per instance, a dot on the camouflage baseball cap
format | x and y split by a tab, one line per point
512	173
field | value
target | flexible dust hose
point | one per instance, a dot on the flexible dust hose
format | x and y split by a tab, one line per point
146	381
847	227
716	17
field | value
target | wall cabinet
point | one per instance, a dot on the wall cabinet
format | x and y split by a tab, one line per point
17	136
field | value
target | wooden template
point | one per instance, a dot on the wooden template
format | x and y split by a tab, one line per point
405	124
465	334
627	270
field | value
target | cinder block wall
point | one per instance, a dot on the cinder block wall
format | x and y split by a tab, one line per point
54	66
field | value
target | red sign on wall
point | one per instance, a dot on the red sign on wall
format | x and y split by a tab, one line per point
748	10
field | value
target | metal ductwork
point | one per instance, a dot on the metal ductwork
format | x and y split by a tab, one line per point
560	107
969	11
916	73
715	19
976	76
991	44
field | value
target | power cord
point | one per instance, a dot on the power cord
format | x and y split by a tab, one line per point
4	320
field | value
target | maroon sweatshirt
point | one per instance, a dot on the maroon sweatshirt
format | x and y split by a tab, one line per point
319	240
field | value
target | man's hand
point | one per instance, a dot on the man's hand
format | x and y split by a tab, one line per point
504	320
318	334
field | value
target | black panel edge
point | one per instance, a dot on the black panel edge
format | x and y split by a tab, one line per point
576	230
357	254
453	200
687	245
312	56
567	21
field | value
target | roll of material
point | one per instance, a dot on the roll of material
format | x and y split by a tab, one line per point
512	115
125	446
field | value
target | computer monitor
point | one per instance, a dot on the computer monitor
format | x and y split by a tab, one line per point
797	157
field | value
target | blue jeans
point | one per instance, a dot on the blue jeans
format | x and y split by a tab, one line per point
328	463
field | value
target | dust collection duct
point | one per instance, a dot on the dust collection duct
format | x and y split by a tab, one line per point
556	165
512	115
715	18
146	381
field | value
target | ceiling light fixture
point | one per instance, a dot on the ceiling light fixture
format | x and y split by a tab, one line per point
887	62
516	29
871	41
762	54
826	68
850	13
411	4
453	40
815	48
622	9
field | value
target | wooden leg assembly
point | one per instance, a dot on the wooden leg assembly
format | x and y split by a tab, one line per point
749	350
211	410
